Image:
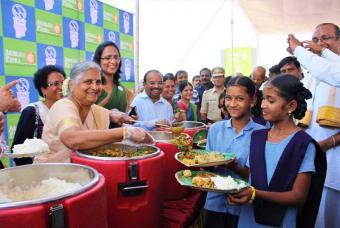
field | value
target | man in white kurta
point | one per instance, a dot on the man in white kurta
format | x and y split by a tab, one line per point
325	83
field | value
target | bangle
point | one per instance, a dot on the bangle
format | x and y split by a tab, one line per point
333	140
124	133
252	195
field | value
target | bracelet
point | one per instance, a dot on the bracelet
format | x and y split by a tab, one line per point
252	195
333	139
124	133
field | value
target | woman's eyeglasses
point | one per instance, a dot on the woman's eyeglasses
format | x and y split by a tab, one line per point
110	58
55	84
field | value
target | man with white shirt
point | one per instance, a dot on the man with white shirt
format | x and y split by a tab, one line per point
325	108
322	57
150	106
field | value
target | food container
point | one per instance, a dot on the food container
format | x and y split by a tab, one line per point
172	189
82	207
134	184
190	127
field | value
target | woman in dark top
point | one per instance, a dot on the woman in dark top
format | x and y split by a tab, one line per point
48	81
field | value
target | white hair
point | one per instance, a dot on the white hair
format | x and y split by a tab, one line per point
79	68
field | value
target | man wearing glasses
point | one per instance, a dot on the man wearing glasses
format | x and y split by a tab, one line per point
321	58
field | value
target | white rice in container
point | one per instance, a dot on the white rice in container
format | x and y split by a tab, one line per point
31	146
50	187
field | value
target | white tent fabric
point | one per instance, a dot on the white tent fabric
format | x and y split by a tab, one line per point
290	16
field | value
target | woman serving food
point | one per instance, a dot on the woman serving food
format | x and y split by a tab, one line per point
77	123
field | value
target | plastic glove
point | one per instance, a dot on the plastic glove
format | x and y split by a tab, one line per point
135	134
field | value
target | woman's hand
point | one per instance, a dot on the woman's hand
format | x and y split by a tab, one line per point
120	117
232	164
242	197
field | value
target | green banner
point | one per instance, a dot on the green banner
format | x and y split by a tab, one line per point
72	56
93	37
111	18
26	2
73	9
242	61
49	28
129	85
2	80
126	46
20	57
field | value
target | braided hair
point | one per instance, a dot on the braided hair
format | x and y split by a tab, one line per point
290	88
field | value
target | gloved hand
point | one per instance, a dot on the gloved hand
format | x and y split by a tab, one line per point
120	117
138	135
135	134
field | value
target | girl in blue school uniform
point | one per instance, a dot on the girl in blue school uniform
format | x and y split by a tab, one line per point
231	136
287	167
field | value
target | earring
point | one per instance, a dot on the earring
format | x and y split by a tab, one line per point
289	113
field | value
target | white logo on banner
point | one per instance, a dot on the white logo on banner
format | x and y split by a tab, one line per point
23	88
94	11
50	55
19	20
112	36
126	22
49	4
74	33
127	69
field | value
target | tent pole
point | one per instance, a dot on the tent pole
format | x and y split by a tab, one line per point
136	41
232	36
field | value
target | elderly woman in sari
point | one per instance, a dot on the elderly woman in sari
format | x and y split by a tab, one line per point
77	123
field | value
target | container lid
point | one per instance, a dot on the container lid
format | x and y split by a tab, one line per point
30	177
120	152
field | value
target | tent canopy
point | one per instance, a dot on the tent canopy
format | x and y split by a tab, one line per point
290	16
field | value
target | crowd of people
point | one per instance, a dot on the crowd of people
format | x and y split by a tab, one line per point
284	128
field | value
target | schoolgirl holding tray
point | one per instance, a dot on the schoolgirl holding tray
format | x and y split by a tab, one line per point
231	136
287	166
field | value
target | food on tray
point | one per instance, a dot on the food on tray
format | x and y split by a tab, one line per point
46	188
31	146
118	152
203	182
194	158
217	182
187	173
211	182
